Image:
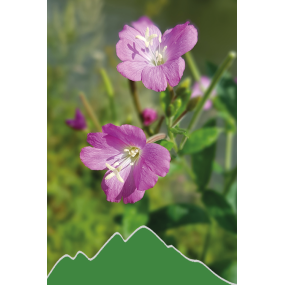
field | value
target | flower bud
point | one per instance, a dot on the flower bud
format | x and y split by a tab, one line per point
78	123
149	116
193	103
183	86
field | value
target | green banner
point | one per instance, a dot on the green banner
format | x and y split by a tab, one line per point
143	258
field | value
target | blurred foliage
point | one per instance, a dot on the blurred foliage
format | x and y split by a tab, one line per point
78	215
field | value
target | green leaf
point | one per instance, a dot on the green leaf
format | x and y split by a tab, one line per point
217	168
220	209
176	215
178	131
167	144
201	139
202	162
230	178
135	215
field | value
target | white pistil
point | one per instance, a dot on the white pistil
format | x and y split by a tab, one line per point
115	171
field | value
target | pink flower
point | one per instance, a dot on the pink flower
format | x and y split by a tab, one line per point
151	57
132	164
197	91
149	116
78	123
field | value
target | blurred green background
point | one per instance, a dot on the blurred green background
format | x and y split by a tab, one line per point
81	39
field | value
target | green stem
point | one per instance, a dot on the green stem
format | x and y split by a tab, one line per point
113	109
179	118
170	134
159	125
228	157
192	65
137	104
110	92
222	68
90	112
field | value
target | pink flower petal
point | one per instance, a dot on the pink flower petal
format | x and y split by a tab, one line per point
141	25
105	142
181	39
130	135
96	159
173	70
132	70
144	177
134	197
105	149
115	190
132	50
154	160
154	78
181	64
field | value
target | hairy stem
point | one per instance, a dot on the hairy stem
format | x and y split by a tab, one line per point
137	104
179	118
90	111
159	125
192	65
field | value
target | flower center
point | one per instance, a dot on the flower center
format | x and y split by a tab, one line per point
132	154
158	56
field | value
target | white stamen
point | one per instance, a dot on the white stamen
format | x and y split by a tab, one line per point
164	49
148	39
156	53
116	163
126	150
131	163
141	38
147	33
159	38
